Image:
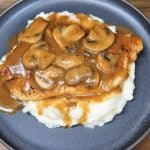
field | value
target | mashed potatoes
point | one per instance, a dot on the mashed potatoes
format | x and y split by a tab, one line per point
97	113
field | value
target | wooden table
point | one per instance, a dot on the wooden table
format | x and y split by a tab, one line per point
144	6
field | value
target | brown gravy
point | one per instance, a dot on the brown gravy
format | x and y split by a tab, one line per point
85	111
12	42
59	103
16	54
8	104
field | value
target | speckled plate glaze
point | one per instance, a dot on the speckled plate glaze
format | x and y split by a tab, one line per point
22	131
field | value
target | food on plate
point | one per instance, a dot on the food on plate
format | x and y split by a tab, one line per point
69	69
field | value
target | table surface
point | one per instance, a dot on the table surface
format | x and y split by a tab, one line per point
144	6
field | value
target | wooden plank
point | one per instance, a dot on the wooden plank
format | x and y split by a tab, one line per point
146	12
144	145
141	3
5	3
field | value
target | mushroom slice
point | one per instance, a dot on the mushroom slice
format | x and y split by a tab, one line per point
103	64
46	79
34	32
93	81
99	38
54	47
38	56
86	21
48	36
73	33
67	61
64	35
78	75
53	72
107	61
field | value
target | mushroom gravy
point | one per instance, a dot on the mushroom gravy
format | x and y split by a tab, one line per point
8	104
81	58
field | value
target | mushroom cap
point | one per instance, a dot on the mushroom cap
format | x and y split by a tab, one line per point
47	78
93	81
48	37
64	35
67	61
99	38
53	72
78	75
106	61
34	32
86	21
38	56
44	81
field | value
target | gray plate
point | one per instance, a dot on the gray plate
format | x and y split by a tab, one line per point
22	131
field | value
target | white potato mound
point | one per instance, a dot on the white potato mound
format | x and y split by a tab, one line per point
99	112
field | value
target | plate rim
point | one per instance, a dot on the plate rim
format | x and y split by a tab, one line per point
15	4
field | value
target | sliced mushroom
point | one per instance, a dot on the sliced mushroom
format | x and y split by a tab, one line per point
38	56
53	72
57	18
93	81
99	39
48	36
86	22
72	48
64	35
34	32
46	79
54	47
103	64
73	33
78	75
106	61
67	61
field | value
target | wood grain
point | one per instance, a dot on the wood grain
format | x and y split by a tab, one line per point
144	6
5	3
